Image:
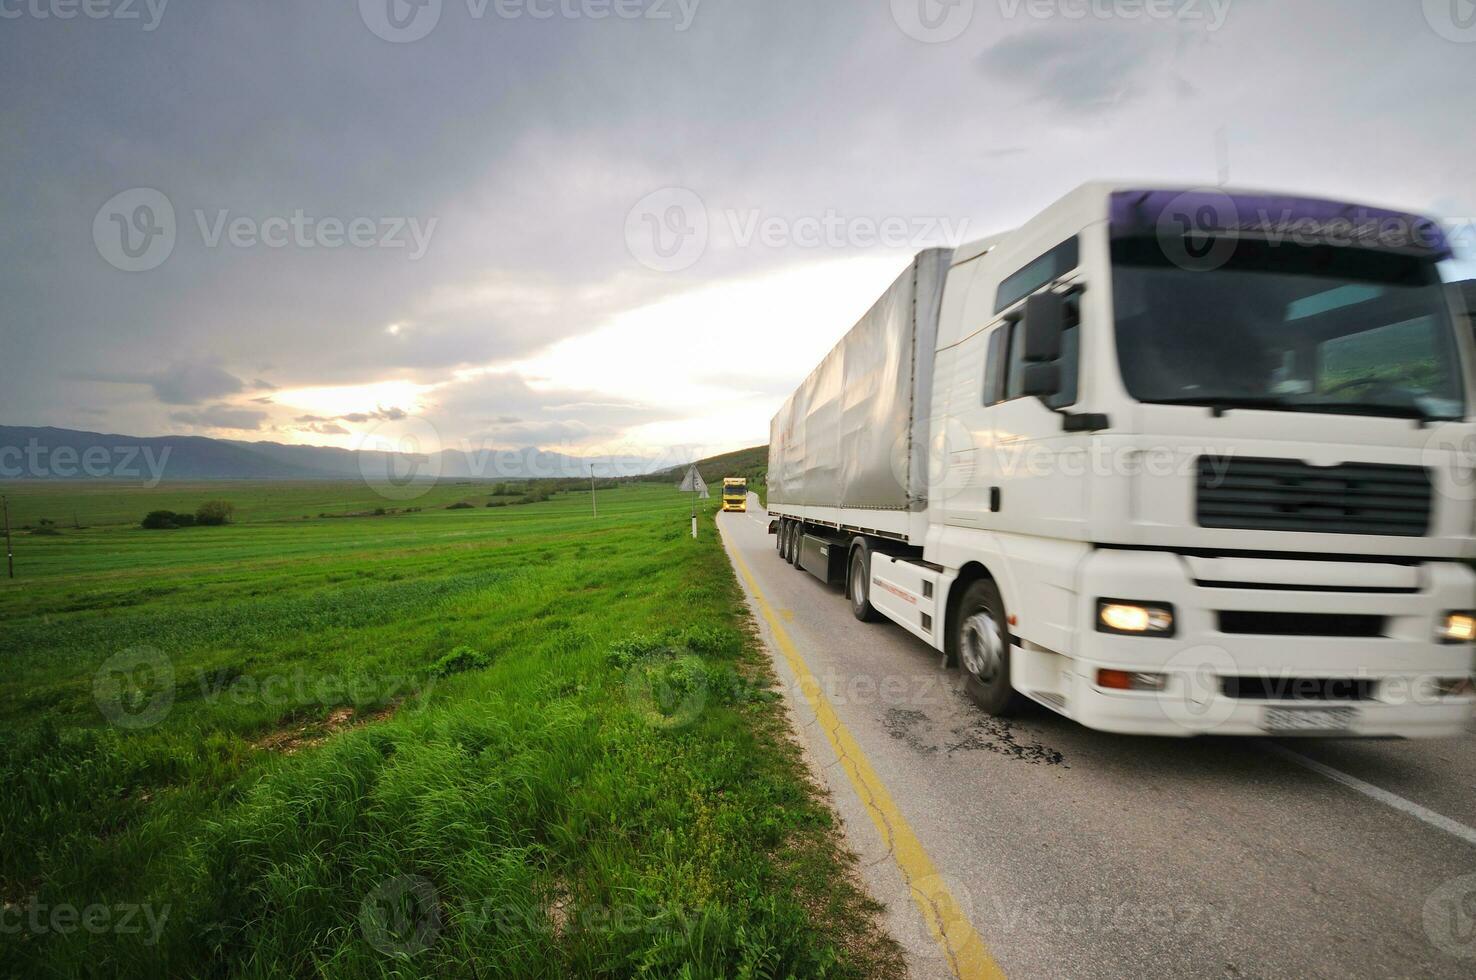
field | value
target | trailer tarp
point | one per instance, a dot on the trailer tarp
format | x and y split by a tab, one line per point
855	433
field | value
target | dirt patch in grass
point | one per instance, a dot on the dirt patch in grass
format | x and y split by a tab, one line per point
560	907
298	735
15	894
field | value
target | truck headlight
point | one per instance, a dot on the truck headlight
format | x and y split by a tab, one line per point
1457	627
1135	618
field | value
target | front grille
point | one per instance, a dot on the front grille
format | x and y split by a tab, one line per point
1300	688
1300	624
1288	495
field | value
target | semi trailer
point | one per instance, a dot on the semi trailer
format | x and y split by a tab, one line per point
1165	461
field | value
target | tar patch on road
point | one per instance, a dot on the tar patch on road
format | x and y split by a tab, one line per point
999	736
911	728
918	732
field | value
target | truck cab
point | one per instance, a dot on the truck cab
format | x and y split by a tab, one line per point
1218	446
735	494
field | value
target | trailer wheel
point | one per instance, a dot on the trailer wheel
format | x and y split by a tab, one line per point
982	638
796	536
789	533
858	586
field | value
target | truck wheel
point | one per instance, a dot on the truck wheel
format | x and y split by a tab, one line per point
788	553
859	585
796	535
982	638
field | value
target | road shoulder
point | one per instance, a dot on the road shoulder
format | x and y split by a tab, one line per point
920	913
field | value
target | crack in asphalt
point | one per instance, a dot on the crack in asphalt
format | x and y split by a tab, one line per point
889	837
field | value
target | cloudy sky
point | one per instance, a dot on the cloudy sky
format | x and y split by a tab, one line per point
598	224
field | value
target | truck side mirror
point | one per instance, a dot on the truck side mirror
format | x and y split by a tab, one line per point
1045	322
1041	380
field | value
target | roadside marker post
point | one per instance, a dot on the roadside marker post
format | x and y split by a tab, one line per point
9	551
693	482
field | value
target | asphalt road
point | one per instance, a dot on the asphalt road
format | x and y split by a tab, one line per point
1078	854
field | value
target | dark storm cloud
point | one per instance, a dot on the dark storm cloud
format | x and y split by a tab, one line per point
1074	71
325	429
182	383
221	417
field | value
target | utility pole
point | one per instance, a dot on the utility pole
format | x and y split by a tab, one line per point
9	551
593	506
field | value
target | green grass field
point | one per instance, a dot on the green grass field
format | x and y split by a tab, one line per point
511	742
99	503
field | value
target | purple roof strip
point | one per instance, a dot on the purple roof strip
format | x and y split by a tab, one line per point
1278	219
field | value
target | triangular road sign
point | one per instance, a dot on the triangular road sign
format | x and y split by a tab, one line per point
693	483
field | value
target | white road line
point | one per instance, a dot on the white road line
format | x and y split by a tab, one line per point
1385	797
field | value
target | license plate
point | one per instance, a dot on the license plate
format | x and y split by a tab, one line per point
1309	719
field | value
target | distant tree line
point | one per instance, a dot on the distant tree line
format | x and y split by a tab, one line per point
212	513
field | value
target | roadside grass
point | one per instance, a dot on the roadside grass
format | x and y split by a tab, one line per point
510	742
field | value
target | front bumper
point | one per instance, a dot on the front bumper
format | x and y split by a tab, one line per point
1142	714
1395	669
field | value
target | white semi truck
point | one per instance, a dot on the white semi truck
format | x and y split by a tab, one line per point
1165	461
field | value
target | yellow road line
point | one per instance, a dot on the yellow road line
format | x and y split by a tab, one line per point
967	954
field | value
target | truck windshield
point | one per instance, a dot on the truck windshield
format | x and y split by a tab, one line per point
1288	328
732	489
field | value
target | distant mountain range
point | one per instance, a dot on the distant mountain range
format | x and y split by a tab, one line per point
46	453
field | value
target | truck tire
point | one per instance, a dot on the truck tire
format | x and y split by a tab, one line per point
796	537
858	586
982	639
789	532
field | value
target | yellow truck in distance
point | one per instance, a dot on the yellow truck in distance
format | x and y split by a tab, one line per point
735	494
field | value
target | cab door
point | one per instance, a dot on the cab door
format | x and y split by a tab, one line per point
1041	469
964	438
1012	466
